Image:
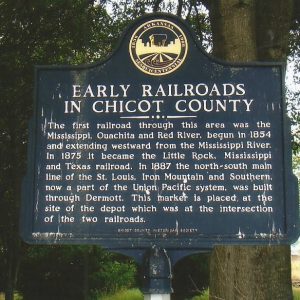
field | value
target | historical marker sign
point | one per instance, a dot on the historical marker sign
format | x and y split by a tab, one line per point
160	144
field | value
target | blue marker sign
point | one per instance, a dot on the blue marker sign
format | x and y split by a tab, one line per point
161	144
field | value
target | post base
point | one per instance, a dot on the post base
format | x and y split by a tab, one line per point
157	297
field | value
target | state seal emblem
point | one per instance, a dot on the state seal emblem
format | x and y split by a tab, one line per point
158	47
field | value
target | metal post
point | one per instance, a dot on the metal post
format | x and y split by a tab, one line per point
157	275
157	297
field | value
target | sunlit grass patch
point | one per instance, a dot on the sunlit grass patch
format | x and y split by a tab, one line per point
296	293
204	296
16	296
133	294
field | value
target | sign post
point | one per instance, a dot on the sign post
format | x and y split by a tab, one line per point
160	147
157	297
157	275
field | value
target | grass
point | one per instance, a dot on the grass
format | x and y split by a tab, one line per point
296	292
16	296
133	294
136	294
204	296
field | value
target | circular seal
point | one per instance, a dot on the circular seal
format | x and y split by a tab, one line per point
158	47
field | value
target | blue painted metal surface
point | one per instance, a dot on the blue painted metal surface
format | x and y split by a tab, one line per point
187	159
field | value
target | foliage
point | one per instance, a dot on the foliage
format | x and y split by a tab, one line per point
36	32
293	94
74	32
113	276
73	272
293	106
133	294
191	276
47	32
296	293
16	296
203	296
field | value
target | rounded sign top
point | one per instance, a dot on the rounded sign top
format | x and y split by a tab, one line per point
158	47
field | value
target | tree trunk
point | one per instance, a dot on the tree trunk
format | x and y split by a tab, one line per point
13	244
250	272
13	264
249	30
86	263
233	29
273	19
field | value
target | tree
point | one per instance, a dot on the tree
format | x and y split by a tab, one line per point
248	31
35	32
251	30
46	32
293	95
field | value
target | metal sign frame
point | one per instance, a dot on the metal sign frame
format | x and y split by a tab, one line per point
164	72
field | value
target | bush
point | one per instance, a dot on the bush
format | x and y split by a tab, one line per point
73	272
113	276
